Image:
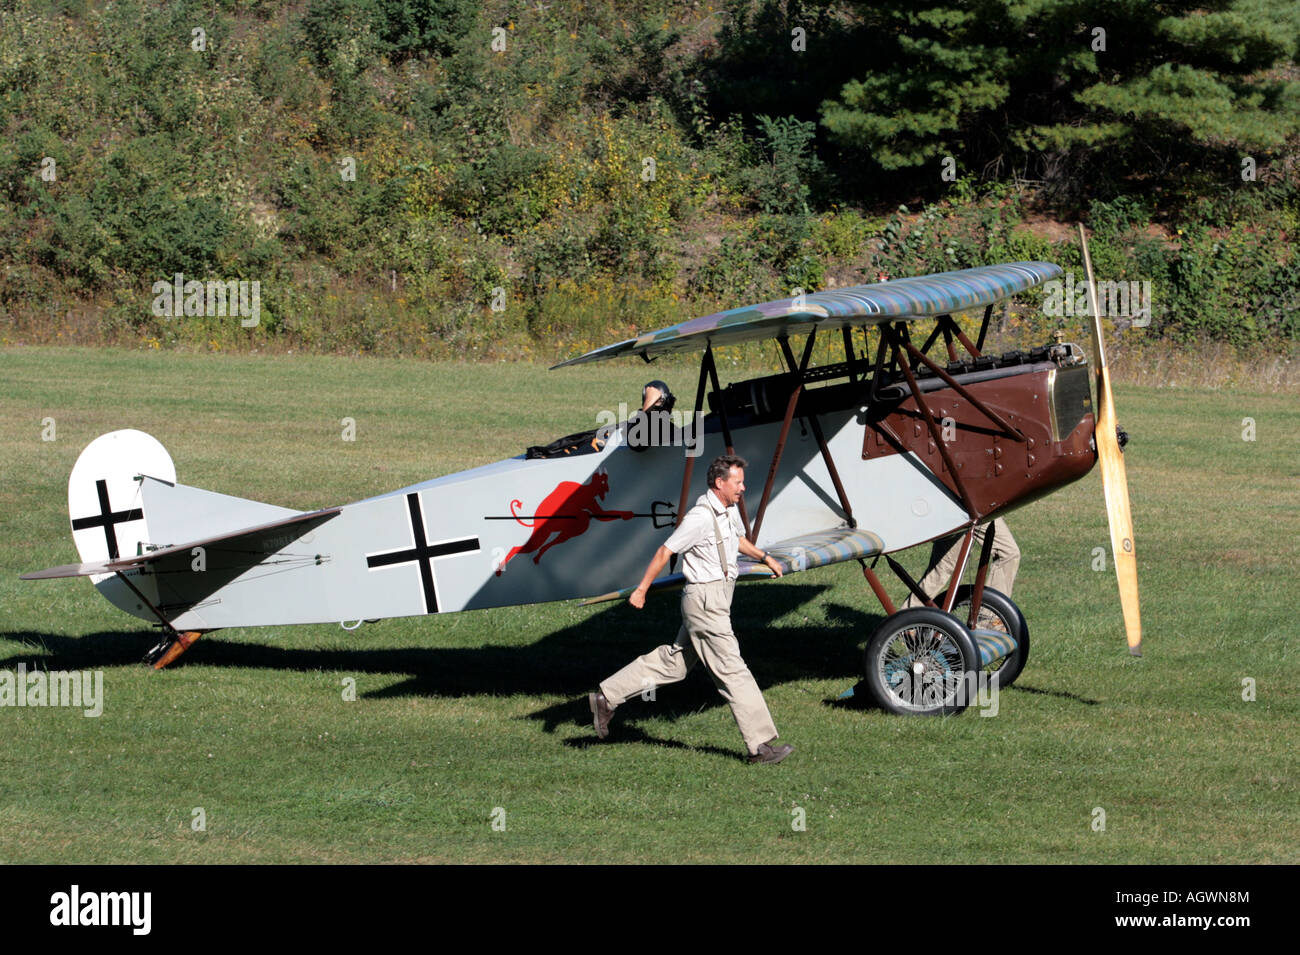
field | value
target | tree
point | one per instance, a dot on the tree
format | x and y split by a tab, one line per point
990	81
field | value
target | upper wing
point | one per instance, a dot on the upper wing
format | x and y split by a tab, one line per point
924	296
798	553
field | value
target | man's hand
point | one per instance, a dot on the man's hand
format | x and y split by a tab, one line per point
767	560
657	563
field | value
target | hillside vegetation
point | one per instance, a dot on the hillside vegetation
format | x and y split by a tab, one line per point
447	178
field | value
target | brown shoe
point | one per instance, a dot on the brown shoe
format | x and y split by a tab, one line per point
601	713
767	753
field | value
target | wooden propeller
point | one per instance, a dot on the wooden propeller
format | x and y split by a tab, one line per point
1114	480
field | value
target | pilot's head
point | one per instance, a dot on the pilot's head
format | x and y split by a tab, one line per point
655	396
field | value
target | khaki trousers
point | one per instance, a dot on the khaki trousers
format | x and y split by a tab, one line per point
705	636
1004	561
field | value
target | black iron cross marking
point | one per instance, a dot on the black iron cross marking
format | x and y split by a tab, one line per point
106	518
423	552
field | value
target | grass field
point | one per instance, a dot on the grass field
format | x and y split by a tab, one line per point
461	715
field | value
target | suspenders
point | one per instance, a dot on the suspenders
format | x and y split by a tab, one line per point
717	537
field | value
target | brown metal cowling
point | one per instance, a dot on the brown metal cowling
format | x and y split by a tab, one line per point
999	474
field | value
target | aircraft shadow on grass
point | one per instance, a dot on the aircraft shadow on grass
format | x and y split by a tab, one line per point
570	661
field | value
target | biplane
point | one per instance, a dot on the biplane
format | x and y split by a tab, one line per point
859	458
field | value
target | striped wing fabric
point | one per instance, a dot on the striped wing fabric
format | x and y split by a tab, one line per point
816	550
993	645
924	296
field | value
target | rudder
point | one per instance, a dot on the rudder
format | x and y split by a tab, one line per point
105	500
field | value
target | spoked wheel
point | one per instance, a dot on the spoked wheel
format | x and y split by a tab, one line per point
922	662
997	612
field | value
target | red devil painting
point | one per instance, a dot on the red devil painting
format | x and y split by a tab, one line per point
565	513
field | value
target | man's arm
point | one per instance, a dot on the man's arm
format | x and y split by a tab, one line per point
657	563
752	552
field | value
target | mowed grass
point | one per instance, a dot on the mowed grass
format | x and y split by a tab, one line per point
462	715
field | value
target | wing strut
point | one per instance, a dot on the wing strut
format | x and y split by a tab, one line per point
895	340
984	328
690	459
956	386
709	375
817	426
977	596
869	572
799	369
726	426
780	449
962	556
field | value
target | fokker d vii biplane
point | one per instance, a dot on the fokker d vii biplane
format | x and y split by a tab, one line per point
890	451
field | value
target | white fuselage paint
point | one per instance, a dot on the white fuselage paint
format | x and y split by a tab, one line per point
896	497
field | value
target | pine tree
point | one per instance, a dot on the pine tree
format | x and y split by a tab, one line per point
996	80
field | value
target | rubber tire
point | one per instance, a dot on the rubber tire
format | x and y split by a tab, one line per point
1000	604
956	636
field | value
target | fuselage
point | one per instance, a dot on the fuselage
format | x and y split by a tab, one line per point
529	530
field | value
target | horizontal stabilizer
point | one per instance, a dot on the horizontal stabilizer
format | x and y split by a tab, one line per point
68	570
252	543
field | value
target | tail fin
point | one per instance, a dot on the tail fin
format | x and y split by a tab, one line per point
124	502
178	513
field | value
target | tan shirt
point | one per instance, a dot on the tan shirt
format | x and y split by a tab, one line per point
694	539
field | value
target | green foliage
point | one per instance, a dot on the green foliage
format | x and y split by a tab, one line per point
662	155
501	192
423	27
1177	100
781	185
130	223
345	39
340	36
786	240
920	111
1000	80
756	69
1113	224
841	234
734	273
331	214
153	73
558	249
344	36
